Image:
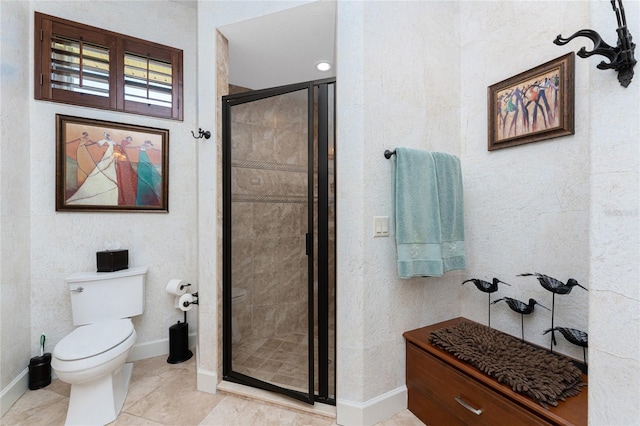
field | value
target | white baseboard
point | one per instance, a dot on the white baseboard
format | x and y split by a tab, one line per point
373	411
155	348
14	391
20	384
206	381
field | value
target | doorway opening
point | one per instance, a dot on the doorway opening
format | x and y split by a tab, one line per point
279	239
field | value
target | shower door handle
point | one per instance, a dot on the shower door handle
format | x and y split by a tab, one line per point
308	243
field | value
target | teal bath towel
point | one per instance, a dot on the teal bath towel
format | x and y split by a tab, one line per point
449	177
428	213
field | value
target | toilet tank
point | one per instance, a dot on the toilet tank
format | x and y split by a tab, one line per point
99	296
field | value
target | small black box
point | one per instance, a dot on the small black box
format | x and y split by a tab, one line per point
112	260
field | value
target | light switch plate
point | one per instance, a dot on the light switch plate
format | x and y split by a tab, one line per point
381	226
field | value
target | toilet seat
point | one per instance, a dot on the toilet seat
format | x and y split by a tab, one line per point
93	339
93	367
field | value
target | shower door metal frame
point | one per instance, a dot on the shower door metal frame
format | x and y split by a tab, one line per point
323	296
323	243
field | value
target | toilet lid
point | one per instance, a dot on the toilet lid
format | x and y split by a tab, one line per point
93	339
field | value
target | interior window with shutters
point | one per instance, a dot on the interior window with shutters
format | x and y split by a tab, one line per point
82	65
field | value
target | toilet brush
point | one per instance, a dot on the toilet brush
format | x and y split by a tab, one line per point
40	368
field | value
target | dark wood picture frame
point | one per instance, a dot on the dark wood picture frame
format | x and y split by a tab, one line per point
534	105
112	167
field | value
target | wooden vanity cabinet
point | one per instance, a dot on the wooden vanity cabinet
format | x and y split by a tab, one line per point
443	390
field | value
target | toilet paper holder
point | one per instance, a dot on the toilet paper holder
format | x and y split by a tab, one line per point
177	287
179	333
193	302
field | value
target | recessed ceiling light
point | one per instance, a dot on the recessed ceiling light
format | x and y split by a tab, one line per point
323	66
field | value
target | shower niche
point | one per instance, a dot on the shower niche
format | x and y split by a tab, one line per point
279	240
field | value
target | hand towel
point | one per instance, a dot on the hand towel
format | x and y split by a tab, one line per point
416	214
449	178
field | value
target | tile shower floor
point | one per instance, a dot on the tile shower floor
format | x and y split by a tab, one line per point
165	394
281	360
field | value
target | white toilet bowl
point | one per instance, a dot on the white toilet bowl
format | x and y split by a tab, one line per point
92	359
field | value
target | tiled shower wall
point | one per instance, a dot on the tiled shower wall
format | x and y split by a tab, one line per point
269	215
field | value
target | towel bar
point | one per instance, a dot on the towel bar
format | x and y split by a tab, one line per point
388	154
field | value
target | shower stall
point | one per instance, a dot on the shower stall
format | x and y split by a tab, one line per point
279	239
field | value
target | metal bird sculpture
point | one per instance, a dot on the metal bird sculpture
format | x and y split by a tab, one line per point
555	287
486	287
577	337
521	308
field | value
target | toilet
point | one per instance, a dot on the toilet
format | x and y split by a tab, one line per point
92	357
237	295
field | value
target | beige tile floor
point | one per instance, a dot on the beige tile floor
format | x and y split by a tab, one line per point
165	394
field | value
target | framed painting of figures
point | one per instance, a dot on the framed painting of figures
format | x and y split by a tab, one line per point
532	106
105	166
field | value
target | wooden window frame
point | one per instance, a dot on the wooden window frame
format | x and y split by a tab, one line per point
47	26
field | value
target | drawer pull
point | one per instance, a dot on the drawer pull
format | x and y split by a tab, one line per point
476	411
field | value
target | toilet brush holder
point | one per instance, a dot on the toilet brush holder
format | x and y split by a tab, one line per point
40	371
179	343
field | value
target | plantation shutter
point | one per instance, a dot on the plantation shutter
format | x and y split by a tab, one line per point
79	67
147	80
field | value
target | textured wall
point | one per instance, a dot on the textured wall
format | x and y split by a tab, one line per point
392	91
64	243
614	237
568	206
527	207
574	201
15	243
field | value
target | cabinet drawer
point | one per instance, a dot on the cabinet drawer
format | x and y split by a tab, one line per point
457	395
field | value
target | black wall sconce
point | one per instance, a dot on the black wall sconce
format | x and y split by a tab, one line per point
202	134
620	57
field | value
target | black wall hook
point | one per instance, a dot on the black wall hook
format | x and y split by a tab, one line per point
620	57
202	134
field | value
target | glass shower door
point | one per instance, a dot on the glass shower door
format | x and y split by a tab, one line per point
268	329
